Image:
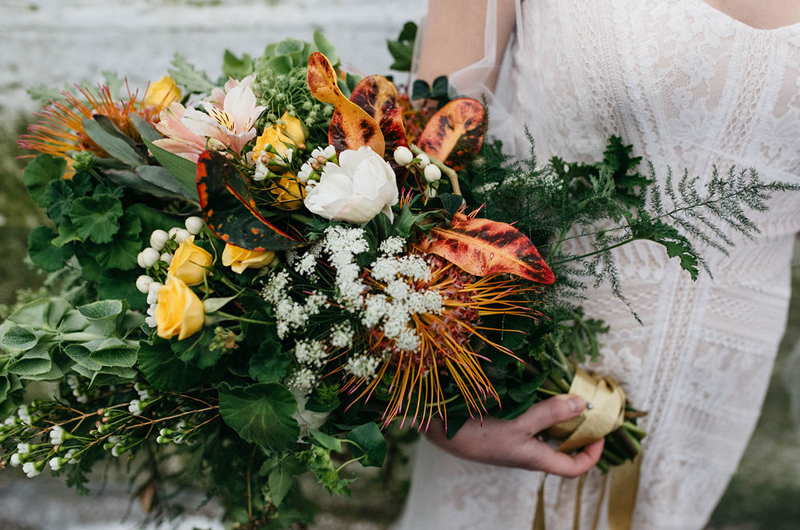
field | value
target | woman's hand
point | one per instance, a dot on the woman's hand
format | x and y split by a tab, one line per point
513	443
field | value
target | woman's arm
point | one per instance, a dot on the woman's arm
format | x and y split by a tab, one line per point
453	36
513	443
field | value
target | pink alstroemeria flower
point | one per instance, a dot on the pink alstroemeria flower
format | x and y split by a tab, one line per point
229	121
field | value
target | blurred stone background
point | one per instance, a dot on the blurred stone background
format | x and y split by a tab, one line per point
57	43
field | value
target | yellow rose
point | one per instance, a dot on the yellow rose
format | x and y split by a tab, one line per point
179	311
288	192
282	136
162	93
239	259
190	263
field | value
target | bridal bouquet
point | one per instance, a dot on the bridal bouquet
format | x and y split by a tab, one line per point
259	275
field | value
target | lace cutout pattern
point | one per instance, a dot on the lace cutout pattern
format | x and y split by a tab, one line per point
689	87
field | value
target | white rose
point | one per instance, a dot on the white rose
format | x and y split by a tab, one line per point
359	188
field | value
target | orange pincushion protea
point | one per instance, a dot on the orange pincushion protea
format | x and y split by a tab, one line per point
446	344
60	128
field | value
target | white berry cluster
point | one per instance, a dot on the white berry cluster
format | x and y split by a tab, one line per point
312	169
161	242
430	171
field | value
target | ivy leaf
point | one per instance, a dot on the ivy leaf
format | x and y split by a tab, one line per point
269	365
368	445
44	253
96	218
40	172
261	414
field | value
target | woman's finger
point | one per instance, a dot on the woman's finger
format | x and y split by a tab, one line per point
551	461
552	411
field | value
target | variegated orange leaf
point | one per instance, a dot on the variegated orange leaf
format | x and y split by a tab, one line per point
354	127
229	209
379	98
482	247
455	133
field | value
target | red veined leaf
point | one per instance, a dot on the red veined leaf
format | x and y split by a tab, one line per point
229	210
482	247
455	133
353	127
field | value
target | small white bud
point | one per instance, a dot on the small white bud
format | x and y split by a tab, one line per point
158	239
143	283
152	296
23	448
55	463
118	450
31	469
148	257
150	321
151	311
423	160
173	231
430	192
432	173
181	234
135	407
155	286
194	225
403	156
166	257
15	460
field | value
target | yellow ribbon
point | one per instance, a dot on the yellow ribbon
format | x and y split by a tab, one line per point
604	414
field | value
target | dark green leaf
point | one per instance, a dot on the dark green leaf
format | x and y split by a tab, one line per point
38	174
121	251
95	218
67	233
58	195
326	440
325	47
280	482
166	372
114	352
368	444
115	284
43	253
184	171
113	144
261	414
402	49
269	364
143	127
196	349
80	354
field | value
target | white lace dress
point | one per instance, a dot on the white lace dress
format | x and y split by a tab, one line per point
690	87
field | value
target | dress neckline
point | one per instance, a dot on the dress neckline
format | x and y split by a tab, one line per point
736	22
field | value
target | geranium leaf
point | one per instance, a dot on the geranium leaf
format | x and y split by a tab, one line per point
455	133
354	127
38	174
230	211
44	253
482	247
261	414
95	218
121	251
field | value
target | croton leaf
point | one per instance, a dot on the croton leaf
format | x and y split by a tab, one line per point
229	209
455	133
379	98
355	127
482	247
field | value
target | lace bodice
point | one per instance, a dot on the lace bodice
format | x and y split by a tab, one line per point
688	87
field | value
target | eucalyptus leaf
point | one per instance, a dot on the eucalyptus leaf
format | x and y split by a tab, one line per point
36	361
143	127
19	338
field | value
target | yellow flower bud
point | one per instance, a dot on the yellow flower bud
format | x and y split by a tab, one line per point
162	93
179	311
288	193
190	262
294	128
239	259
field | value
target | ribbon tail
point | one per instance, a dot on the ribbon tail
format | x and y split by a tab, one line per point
622	498
538	518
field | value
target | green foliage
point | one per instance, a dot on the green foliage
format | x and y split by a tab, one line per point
236	68
261	414
439	91
402	49
40	172
188	77
368	444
